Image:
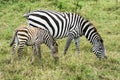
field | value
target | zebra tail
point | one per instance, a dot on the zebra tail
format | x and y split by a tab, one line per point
26	15
13	38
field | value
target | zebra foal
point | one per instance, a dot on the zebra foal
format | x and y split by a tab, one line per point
34	37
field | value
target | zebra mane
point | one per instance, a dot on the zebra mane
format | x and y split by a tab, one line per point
93	28
100	38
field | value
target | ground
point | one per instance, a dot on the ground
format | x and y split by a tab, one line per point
104	14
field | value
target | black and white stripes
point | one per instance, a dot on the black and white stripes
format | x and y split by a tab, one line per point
34	37
69	25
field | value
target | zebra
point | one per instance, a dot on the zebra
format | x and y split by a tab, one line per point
71	25
34	37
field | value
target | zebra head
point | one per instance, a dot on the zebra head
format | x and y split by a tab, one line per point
55	50
99	49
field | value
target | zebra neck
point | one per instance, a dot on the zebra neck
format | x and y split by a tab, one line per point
93	38
91	33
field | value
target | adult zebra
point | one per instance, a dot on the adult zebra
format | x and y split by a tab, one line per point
69	25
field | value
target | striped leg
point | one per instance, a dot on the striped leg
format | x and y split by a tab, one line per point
33	54
70	37
13	52
38	50
77	44
21	46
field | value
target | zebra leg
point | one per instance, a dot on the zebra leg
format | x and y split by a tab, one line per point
38	50
13	52
77	44
19	53
21	46
33	54
70	37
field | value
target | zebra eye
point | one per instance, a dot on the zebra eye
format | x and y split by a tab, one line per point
99	40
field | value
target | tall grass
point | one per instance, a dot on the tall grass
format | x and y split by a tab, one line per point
104	14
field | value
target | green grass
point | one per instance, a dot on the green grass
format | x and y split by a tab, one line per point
104	14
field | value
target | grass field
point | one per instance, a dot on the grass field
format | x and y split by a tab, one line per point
104	14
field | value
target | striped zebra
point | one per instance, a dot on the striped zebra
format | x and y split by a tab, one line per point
70	25
34	37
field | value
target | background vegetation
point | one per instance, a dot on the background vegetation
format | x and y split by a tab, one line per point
104	14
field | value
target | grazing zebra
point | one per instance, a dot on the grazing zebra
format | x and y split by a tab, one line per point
69	25
34	37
